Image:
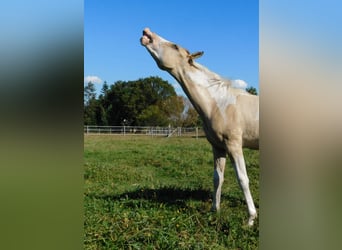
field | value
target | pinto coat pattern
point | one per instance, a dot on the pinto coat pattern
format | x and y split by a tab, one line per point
230	115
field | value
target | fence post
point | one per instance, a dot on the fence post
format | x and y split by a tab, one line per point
196	132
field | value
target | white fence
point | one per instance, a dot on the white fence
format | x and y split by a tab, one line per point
150	131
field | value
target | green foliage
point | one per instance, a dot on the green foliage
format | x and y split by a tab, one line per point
155	193
152	116
138	102
145	102
135	100
89	93
90	104
252	90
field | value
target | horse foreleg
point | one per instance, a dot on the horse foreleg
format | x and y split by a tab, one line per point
238	161
219	166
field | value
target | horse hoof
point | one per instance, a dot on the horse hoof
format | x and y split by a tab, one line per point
251	220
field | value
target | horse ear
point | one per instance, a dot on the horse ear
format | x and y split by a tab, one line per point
194	56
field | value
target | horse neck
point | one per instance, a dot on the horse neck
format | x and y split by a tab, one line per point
203	87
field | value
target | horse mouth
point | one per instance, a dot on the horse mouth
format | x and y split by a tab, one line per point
147	37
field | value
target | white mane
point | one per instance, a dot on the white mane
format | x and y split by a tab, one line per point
218	81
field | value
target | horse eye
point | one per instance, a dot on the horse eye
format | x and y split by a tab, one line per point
175	46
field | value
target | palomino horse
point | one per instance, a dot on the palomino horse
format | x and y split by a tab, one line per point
230	115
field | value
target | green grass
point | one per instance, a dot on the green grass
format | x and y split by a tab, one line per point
156	193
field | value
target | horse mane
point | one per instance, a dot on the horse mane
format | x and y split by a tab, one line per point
218	81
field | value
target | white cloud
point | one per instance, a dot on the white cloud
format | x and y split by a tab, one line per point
239	84
93	79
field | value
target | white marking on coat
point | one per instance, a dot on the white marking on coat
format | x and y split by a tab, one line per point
218	89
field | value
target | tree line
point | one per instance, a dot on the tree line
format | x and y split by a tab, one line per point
149	101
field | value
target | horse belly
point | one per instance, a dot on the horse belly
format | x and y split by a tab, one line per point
250	136
251	143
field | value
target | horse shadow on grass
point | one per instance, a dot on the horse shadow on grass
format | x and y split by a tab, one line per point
170	195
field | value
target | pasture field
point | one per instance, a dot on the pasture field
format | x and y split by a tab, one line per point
155	193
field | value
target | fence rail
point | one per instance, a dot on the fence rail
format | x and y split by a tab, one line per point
150	131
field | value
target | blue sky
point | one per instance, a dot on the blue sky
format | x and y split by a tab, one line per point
227	32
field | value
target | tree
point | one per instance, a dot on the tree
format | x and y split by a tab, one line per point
101	115
172	108
152	116
252	90
149	101
138	101
89	93
90	104
105	88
